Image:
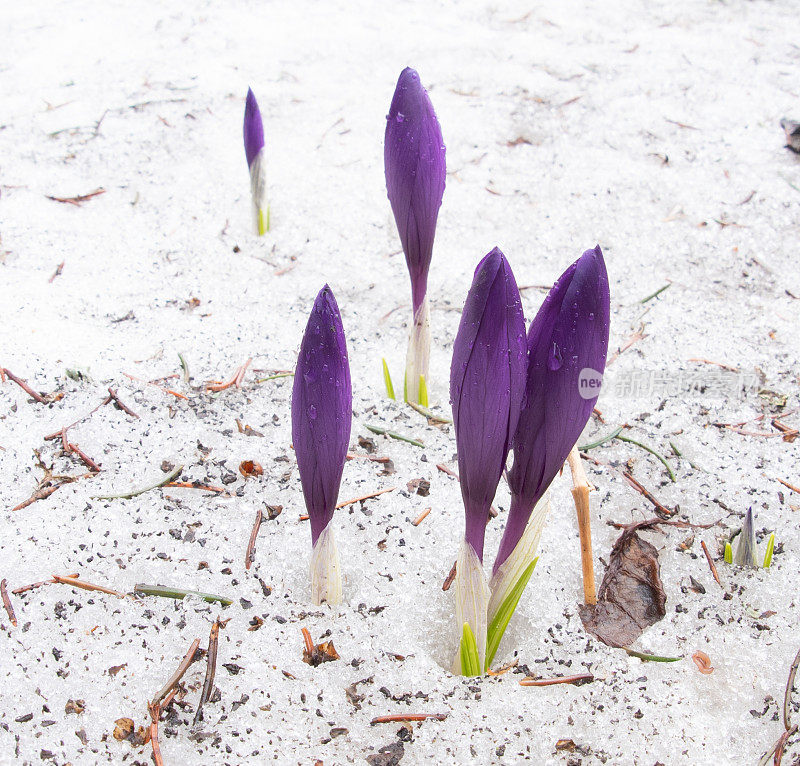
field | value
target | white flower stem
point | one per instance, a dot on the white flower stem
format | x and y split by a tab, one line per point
418	356
326	578
258	192
472	600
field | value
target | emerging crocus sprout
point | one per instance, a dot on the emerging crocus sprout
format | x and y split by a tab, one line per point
254	151
745	554
562	364
487	381
321	417
414	162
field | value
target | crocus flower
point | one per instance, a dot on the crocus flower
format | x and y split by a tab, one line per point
567	346
321	417
415	177
487	380
254	151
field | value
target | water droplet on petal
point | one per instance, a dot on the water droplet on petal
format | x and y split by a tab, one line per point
554	360
400	117
312	412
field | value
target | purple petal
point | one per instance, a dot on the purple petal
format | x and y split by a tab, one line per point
487	380
321	410
568	337
253	128
415	174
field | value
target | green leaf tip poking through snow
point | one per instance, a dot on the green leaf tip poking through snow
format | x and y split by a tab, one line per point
770	548
498	625
423	392
728	554
470	663
387	379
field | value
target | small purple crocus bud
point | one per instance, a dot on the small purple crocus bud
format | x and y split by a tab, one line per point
487	380
567	346
253	130
414	163
321	418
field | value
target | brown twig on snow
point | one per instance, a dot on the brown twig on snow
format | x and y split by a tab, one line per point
120	404
175	679
408	717
7	603
211	667
790	486
38	494
787	696
580	678
87	461
83	585
57	272
635	338
501	671
450	578
251	546
366	497
710	561
789	434
660	508
26	588
176	394
421	517
728	367
79	199
24	386
236	380
193	485
155	714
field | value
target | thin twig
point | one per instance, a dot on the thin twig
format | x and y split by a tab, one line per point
421	517
57	272
7	603
120	404
307	641
728	367
173	474
88	462
155	714
790	486
78	199
710	561
251	546
83	585
192	485
660	507
211	667
365	497
24	386
787	696
580	678
408	717
176	394
236	380
175	679
26	588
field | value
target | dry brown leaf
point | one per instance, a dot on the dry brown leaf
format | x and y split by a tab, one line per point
631	596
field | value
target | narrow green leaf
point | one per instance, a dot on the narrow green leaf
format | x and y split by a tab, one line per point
650	657
470	662
387	379
728	554
262	225
178	593
499	623
616	432
423	392
770	548
392	434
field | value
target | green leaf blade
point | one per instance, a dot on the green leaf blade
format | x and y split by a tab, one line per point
470	662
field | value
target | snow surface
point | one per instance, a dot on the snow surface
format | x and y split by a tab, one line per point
559	118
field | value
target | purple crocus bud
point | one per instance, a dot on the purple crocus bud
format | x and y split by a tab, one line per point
321	417
253	130
487	380
414	162
567	346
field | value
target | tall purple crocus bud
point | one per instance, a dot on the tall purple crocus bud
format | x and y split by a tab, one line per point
415	176
567	346
487	381
321	417
254	151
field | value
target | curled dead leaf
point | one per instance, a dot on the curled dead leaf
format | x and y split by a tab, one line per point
249	468
703	662
324	652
